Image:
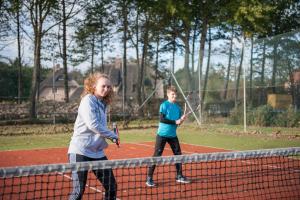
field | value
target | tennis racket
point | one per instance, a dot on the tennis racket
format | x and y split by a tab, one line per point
197	108
185	104
116	130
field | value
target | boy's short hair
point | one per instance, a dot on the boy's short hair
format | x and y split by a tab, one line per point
171	89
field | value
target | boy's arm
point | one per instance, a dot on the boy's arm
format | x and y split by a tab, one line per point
163	119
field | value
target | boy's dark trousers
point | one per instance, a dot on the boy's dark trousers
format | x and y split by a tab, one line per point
159	148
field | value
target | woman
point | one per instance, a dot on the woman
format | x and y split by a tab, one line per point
90	131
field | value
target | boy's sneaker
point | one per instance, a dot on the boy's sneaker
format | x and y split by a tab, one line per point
150	182
182	179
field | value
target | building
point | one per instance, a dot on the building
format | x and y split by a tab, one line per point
55	81
114	70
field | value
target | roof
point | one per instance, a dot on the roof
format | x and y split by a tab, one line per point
76	94
59	80
115	76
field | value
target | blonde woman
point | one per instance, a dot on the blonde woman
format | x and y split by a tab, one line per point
90	131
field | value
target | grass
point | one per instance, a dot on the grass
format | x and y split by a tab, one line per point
215	135
233	137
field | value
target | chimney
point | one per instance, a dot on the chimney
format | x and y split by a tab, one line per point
56	67
118	63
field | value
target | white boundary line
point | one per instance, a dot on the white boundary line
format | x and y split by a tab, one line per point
90	187
249	162
197	145
148	145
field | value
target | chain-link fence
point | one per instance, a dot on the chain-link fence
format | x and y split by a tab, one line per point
264	73
267	69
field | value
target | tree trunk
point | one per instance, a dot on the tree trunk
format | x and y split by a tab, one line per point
187	59
193	56
124	75
38	13
274	71
262	77
201	57
19	55
102	54
292	83
143	63
229	65
35	75
65	63
207	69
251	71
102	48
173	58
138	91
239	75
93	53
156	61
201	52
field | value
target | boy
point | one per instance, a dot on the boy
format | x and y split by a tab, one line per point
170	118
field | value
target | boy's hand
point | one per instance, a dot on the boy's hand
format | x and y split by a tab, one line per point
183	117
178	121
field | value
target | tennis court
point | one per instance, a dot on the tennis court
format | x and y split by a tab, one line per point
215	174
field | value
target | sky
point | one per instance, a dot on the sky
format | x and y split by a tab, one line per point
27	55
27	52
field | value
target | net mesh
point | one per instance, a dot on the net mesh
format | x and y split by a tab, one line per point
257	174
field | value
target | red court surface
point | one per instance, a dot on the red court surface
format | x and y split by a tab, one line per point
263	178
59	155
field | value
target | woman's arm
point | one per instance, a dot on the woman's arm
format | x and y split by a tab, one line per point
90	113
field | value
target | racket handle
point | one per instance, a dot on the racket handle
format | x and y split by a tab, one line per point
114	126
114	140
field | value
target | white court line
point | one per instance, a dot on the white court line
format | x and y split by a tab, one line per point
249	162
90	187
208	146
148	145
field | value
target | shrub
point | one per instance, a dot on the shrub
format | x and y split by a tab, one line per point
236	116
264	116
281	120
293	118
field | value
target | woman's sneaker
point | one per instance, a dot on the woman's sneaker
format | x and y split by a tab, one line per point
150	182
182	179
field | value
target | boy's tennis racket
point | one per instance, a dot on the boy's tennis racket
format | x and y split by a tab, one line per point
116	130
198	107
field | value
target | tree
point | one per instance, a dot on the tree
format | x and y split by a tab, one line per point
252	17
207	67
93	32
15	12
124	18
284	18
39	11
229	63
181	13
5	29
11	12
9	78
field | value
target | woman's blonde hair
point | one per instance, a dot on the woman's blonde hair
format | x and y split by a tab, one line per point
89	86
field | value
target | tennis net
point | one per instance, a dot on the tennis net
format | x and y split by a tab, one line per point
255	174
